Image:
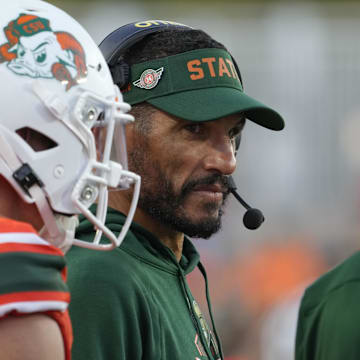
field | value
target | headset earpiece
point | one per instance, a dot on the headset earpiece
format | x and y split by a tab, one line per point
120	73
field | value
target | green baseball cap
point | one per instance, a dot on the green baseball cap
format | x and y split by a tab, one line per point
199	85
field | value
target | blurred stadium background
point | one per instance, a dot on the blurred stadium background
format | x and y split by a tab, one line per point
303	59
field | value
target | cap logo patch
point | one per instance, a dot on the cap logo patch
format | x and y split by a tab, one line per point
149	78
33	49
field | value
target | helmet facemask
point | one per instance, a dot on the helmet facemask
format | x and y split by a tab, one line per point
62	104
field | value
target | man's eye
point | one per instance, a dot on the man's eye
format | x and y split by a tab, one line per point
193	128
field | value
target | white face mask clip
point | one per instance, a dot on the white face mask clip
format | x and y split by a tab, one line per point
26	178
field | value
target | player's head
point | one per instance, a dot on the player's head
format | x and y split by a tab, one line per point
55	88
169	71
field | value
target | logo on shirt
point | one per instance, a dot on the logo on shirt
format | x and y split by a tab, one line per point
208	335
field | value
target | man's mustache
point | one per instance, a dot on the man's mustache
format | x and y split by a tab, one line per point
213	179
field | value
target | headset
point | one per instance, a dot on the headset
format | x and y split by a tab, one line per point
115	46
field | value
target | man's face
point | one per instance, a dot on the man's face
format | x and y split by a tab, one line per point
184	167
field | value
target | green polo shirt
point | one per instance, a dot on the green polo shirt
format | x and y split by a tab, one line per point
134	303
329	317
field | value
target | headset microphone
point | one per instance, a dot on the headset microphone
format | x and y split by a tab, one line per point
253	218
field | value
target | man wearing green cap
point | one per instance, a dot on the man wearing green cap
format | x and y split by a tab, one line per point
134	302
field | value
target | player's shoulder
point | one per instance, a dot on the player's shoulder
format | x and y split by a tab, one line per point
99	278
345	275
126	268
33	271
89	259
18	236
96	268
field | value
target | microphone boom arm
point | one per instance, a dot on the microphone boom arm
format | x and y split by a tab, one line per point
253	218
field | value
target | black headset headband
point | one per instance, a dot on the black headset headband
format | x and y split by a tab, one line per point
121	39
115	45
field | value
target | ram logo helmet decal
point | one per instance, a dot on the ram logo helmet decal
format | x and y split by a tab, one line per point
34	50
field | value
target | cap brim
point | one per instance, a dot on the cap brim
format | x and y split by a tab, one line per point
216	102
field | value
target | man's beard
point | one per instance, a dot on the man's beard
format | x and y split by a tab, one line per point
159	199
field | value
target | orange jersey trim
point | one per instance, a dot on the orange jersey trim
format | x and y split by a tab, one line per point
63	320
29	296
9	226
31	248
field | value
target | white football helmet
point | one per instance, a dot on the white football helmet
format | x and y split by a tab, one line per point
55	87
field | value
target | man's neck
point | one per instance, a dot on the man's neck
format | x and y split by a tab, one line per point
174	240
12	206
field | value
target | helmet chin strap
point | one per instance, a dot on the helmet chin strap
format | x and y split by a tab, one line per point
64	234
58	229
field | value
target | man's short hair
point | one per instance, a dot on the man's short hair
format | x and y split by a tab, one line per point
169	42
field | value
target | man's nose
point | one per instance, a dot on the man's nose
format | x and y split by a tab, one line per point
221	157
